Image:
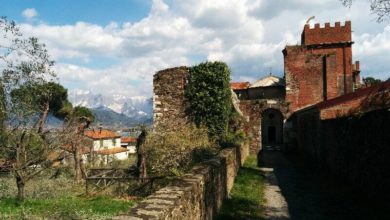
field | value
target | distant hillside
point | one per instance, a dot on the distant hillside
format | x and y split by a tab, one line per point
104	117
109	118
138	107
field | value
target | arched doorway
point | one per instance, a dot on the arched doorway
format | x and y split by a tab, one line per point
272	127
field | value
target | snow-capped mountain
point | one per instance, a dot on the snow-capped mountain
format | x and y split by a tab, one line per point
138	107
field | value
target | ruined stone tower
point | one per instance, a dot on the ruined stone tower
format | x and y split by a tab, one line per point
321	67
168	99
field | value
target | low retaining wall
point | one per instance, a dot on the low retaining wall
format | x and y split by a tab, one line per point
198	194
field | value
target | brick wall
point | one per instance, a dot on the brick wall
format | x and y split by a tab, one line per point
321	68
362	100
349	135
327	34
354	148
304	77
197	195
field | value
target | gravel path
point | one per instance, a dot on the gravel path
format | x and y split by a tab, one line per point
276	206
296	190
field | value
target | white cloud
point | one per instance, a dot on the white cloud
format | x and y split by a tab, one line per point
29	13
247	34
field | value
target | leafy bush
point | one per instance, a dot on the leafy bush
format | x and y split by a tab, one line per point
235	134
173	151
233	139
209	95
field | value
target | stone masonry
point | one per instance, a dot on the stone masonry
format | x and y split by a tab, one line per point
168	100
197	195
253	110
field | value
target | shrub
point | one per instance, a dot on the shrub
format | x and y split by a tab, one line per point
209	95
172	151
235	134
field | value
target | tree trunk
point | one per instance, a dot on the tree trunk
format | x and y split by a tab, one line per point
142	167
43	116
77	164
20	184
141	160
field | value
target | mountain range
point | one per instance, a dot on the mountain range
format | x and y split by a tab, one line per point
114	110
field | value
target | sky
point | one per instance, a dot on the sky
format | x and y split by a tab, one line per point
115	46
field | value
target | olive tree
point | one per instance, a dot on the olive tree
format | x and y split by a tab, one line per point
24	63
72	135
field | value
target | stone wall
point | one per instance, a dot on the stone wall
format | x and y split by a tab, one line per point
354	148
168	100
198	194
253	110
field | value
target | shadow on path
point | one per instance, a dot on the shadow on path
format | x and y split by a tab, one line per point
312	194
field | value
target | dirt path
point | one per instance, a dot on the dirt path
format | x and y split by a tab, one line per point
295	190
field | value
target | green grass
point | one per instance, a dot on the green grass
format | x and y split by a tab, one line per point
246	196
72	207
59	198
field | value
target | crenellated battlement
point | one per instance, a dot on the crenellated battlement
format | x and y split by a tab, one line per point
327	34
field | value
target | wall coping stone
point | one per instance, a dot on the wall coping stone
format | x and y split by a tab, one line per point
196	195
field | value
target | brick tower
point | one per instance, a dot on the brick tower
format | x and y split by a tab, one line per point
321	67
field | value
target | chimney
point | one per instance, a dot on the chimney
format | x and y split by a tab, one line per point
357	65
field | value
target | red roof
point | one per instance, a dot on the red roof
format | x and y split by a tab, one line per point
114	150
360	93
101	134
128	139
239	85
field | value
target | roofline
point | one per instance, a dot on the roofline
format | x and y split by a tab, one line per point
102	138
347	97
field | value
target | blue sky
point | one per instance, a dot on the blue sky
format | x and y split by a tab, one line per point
115	47
60	12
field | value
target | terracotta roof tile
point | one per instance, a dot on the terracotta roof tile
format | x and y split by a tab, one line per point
239	85
128	139
101	134
110	151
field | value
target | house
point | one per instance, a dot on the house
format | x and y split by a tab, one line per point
129	143
106	145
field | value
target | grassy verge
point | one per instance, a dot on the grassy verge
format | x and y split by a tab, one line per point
246	196
71	207
56	199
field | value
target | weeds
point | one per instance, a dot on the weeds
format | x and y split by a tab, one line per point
247	194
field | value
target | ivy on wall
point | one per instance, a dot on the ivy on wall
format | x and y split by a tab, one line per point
209	97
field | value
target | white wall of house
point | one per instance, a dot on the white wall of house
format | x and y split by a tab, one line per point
132	149
106	143
122	156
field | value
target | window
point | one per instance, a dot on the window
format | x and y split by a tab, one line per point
113	142
101	143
